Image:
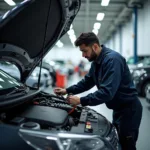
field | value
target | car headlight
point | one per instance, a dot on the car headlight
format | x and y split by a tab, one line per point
79	142
42	140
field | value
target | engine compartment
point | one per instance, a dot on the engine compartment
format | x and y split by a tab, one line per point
48	111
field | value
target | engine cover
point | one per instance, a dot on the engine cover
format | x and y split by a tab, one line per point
45	115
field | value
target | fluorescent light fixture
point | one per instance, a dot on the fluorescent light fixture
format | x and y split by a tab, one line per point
100	16
51	138
70	32
10	2
59	44
97	25
72	36
95	31
52	63
71	26
105	2
73	40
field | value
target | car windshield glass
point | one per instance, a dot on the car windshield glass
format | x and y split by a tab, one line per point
130	60
7	82
139	59
144	63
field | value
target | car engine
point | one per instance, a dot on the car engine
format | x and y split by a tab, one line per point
48	111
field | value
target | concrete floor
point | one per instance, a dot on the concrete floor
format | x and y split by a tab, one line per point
143	142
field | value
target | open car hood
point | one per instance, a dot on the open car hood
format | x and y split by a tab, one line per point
31	29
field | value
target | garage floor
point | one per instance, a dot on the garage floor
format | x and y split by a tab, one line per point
144	135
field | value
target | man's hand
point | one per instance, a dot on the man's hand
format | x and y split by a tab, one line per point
60	91
74	100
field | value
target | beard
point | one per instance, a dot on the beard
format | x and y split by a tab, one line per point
92	57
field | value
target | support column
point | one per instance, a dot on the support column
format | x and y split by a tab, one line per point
87	13
135	10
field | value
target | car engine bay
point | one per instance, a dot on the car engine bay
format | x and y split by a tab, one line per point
51	112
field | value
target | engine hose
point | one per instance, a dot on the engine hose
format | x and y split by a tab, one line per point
72	110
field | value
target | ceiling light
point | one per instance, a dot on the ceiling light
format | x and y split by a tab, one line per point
95	31
97	25
71	26
73	39
100	16
72	36
70	32
59	44
10	2
105	2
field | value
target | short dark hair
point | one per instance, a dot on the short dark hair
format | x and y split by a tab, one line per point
87	38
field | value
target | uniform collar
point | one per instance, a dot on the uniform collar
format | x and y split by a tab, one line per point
99	58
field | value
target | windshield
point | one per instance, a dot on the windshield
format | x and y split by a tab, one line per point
139	59
130	60
7	82
144	63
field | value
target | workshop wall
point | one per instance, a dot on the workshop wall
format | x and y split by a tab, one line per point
144	29
143	44
74	54
65	53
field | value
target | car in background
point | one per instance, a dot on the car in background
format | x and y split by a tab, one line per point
30	118
10	69
51	71
32	81
141	76
45	78
148	94
143	61
132	65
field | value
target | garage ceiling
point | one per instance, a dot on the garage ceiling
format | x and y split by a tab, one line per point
116	14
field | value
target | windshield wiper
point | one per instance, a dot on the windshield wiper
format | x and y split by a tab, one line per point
21	90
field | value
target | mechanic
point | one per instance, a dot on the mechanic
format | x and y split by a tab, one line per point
110	73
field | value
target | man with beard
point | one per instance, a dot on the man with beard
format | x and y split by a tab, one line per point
110	73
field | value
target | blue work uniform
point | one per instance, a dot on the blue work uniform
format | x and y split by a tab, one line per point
110	73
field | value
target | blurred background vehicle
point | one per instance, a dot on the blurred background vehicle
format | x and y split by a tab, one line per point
148	94
51	71
32	81
45	79
141	63
141	76
10	69
130	61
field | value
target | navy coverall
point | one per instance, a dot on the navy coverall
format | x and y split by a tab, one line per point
110	73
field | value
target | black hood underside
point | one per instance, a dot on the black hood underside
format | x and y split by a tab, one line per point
31	29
